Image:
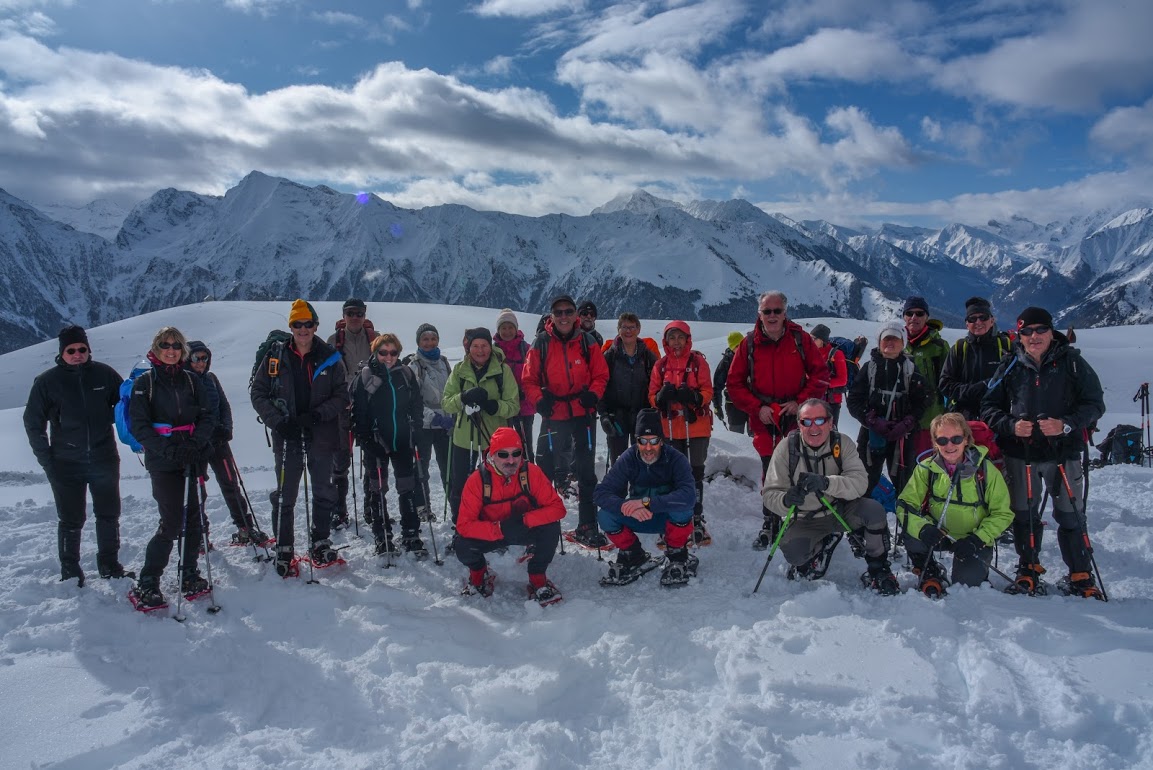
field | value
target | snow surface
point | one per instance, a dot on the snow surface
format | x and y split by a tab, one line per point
392	668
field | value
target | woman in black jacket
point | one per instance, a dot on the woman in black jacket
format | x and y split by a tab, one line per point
170	415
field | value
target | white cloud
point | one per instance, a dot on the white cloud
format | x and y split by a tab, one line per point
339	18
525	8
836	54
499	65
931	129
1127	131
799	17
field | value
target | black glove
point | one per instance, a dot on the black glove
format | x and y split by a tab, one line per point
490	405
688	396
608	426
545	405
690	416
813	482
474	396
186	454
794	497
587	399
307	421
288	428
665	396
968	547
221	435
513	528
930	536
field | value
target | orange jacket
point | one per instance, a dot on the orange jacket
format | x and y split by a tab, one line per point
565	373
690	369
482	522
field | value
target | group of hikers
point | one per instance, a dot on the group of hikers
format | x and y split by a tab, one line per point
1029	395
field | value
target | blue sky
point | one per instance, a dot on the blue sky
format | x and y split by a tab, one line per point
903	110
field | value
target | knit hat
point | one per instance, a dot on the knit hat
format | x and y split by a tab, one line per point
357	304
507	316
648	423
915	303
70	335
559	299
479	333
734	339
977	305
425	328
504	438
820	332
1032	316
587	305
891	329
302	311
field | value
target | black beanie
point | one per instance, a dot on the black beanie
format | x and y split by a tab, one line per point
356	304
977	305
479	333
648	423
916	303
820	332
1033	316
70	335
587	305
425	328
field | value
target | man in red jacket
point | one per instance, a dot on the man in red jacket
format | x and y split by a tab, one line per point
767	381
565	375
516	505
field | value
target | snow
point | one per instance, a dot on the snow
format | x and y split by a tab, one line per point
392	668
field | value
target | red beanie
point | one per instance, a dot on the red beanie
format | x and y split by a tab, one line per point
504	438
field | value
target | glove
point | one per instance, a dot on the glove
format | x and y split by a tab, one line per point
587	399
967	547
474	396
490	405
545	405
608	426
514	528
307	421
471	409
901	428
370	447
930	536
665	396
288	428
442	421
521	506
813	482
794	496
688	396
221	435
877	424
690	416
185	454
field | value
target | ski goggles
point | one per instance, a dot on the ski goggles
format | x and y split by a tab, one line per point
809	422
648	440
199	358
946	440
509	454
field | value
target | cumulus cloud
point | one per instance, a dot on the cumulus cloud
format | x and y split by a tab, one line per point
1127	131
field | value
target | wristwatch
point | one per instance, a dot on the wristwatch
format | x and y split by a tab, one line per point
1067	428
645	502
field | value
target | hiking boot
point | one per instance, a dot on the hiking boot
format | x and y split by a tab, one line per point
323	553
384	544
481	582
701	535
245	536
192	584
589	536
146	595
286	562
1080	584
69	570
1028	580
768	534
340	520
628	566
880	578
679	566
815	568
113	569
410	541
546	594
932	581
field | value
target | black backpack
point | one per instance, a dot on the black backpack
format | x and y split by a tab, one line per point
1122	444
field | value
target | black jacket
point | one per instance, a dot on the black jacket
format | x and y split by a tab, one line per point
1063	386
386	405
872	392
172	396
627	391
321	374
76	404
969	367
721	379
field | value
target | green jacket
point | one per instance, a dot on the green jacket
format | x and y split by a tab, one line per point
929	354
500	384
966	513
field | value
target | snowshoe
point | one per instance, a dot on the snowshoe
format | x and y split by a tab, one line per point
679	566
1028	581
201	550
880	578
424	513
701	535
324	555
628	567
114	569
546	594
815	568
340	520
384	544
588	536
1079	584
768	533
146	597
485	586
286	563
247	536
411	543
193	585
567	487
933	582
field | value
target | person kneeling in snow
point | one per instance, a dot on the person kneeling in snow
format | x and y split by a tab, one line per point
516	505
816	482
650	488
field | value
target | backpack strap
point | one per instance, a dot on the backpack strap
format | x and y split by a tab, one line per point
794	442
486	484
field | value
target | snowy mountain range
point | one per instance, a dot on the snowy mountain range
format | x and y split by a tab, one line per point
271	238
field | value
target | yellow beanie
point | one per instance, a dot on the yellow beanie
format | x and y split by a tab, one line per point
301	311
734	339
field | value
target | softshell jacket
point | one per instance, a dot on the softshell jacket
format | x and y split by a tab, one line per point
1062	386
386	405
969	368
668	482
929	352
498	382
515	354
171	396
481	521
566	372
847	483
628	385
76	404
328	391
881	383
432	376
929	486
691	370
789	369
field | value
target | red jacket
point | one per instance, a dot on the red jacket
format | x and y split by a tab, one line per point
565	374
692	370
482	522
780	374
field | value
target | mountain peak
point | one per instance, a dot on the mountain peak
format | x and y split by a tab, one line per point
638	201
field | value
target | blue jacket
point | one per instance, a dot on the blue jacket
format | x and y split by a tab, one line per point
668	483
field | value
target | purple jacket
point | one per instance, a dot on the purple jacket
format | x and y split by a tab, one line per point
515	351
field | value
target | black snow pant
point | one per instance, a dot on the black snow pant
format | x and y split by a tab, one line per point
223	466
461	463
176	497
71	483
541	541
290	462
577	432
341	460
434	440
696	449
410	494
968	572
1027	517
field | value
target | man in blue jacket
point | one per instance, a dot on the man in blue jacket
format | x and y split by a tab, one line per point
649	489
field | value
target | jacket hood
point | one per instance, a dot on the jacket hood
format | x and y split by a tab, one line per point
679	326
196	346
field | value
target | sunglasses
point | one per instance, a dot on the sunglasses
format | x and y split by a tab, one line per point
946	440
170	346
199	358
809	422
75	351
587	313
564	313
1029	331
354	314
505	455
772	311
388	353
648	440
915	314
978	318
303	324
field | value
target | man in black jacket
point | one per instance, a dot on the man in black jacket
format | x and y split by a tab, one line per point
973	359
1042	400
75	400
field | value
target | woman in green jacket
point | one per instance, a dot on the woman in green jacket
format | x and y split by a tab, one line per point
482	394
956	500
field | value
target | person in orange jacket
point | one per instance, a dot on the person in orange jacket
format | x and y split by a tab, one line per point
681	387
509	501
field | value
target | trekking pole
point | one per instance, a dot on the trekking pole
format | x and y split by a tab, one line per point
279	516
422	477
1083	518
307	509
189	494
1143	397
784	526
388	541
213	607
546	425
853	539
352	483
251	513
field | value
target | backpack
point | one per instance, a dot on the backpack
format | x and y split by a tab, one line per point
1122	444
907	369
338	343
273	347
794	440
420	369
849	348
120	412
486	484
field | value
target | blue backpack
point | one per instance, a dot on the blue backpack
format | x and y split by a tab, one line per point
123	427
